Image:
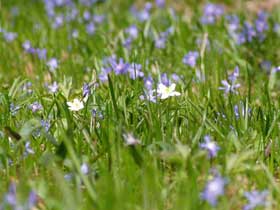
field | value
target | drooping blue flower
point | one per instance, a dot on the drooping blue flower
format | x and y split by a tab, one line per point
256	199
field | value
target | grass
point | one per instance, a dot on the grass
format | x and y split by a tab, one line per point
168	170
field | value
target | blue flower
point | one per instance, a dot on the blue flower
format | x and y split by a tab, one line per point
160	3
211	12
231	86
119	67
52	64
213	189
53	88
190	58
10	36
36	106
135	71
255	199
90	28
132	31
210	146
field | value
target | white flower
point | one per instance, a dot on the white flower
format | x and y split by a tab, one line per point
130	139
76	105
167	91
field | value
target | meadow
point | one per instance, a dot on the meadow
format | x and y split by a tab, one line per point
137	105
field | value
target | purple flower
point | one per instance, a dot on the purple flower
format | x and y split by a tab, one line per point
127	43
160	42
261	22
249	31
86	90
14	109
53	88
233	77
46	125
135	71
32	200
213	189
190	58
144	14
36	106
10	36
58	21
132	31
11	197
87	15
211	12
175	77
27	47
233	23
266	65
210	146
276	28
90	28
103	76
42	53
28	149
149	95
148	83
164	79
84	169
160	3
27	87
231	86
75	33
119	67
255	199
98	18
52	64
276	69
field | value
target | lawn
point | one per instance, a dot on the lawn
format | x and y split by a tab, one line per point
134	105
